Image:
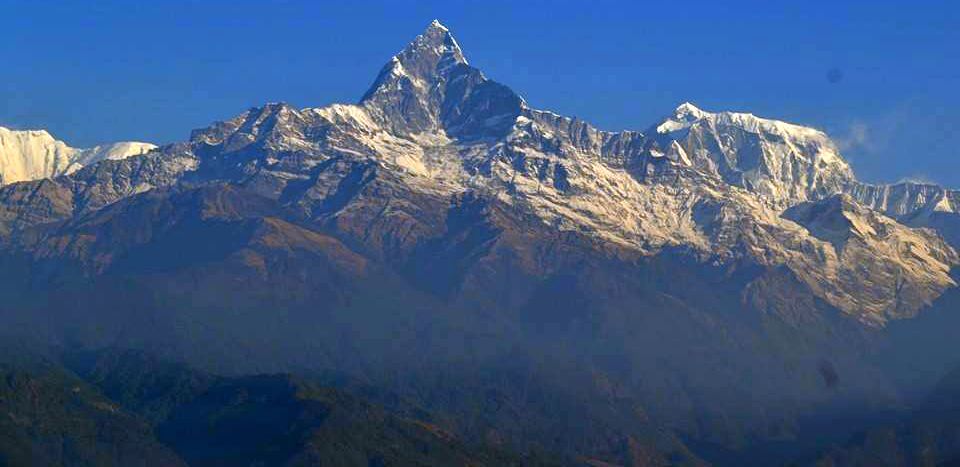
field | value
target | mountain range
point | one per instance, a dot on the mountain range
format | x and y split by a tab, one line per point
717	288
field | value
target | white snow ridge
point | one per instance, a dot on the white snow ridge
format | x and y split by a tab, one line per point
35	154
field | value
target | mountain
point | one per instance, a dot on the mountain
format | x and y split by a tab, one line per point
927	436
124	407
51	417
783	163
432	127
271	419
711	289
34	155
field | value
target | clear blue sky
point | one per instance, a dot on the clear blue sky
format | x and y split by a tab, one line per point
155	70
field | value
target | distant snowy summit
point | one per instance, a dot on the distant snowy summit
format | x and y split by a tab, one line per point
35	154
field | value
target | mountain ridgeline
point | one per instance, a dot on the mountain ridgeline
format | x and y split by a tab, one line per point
718	288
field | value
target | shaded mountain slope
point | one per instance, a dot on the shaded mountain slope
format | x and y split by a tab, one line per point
51	417
928	436
225	277
271	419
129	408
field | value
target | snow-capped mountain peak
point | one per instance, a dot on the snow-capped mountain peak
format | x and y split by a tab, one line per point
36	154
688	110
438	39
31	154
436	24
429	87
783	162
112	152
420	63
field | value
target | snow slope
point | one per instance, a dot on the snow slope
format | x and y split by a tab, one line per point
35	154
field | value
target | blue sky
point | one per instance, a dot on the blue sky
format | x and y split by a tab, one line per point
881	77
